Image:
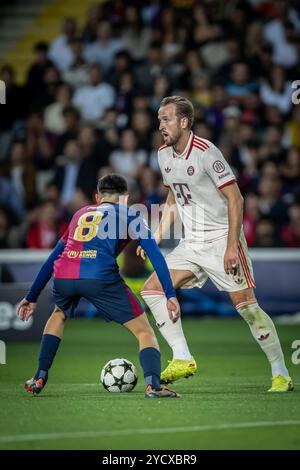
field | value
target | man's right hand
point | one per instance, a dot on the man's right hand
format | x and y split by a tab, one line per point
141	252
25	309
173	309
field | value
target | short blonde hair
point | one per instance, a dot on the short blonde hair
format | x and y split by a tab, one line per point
184	107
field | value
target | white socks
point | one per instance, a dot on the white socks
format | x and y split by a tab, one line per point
264	332
172	332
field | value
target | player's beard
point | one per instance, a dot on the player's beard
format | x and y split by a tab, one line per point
172	141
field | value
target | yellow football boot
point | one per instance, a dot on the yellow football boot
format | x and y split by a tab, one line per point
177	369
281	383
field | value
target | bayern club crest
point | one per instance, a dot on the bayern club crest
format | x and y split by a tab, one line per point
190	170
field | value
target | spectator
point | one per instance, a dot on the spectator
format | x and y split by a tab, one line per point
73	172
293	128
71	117
290	171
89	33
141	124
77	74
270	203
39	143
104	48
251	217
152	67
53	118
128	159
266	235
276	91
22	175
93	99
47	229
10	199
36	72
240	85
291	232
136	37
60	51
14	96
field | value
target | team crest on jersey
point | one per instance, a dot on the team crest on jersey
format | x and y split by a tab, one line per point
190	170
168	169
218	166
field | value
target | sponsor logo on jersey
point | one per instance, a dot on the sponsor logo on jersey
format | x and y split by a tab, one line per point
224	175
190	170
168	169
91	254
218	166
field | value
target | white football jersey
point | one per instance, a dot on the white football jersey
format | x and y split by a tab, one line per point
195	178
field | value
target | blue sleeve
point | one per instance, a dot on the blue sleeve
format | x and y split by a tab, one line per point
139	230
159	264
45	273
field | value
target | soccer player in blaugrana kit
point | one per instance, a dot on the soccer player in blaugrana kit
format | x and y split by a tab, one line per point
84	264
203	189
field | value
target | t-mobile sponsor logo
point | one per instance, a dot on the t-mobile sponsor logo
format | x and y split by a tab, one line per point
182	192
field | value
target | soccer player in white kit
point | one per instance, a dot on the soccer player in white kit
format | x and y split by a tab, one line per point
203	189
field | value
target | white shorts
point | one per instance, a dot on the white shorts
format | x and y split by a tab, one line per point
208	262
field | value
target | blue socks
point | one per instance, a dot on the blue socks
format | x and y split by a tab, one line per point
150	362
48	348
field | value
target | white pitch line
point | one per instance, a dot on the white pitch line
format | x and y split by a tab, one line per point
128	432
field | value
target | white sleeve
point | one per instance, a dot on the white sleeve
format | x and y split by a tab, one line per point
217	167
161	167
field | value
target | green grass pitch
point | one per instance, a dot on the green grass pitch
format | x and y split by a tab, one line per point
224	406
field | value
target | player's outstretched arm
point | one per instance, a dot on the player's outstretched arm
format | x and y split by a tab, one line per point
235	219
27	306
159	264
167	219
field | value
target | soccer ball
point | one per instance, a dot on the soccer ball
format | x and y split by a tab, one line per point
119	375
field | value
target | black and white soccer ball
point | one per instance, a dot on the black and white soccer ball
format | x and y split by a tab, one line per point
119	375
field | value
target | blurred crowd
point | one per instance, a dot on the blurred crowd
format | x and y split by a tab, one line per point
90	101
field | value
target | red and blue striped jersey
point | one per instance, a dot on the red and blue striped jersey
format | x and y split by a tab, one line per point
91	244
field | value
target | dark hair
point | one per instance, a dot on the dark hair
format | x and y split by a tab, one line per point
41	46
184	107
112	184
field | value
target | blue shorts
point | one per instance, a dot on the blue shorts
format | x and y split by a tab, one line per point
112	299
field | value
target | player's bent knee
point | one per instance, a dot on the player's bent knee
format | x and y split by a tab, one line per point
256	318
59	314
152	285
148	339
